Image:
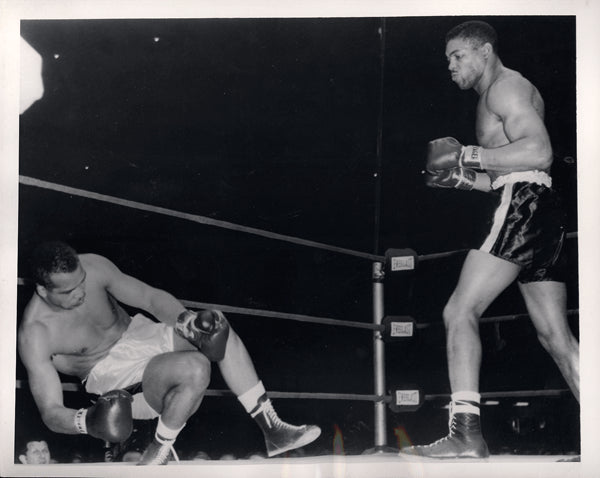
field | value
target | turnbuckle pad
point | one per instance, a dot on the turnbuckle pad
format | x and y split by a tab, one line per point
408	398
401	261
398	328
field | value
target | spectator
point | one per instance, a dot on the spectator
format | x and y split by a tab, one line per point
200	455
227	456
35	452
131	456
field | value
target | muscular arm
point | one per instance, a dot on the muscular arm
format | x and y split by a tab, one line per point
131	291
44	381
512	101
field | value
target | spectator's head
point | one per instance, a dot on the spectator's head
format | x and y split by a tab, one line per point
35	453
200	455
77	458
131	456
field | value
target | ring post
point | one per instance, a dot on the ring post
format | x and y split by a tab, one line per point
379	358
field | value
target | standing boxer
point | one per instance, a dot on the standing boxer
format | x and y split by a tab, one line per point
513	159
142	369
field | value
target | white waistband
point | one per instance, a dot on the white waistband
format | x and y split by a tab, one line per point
537	177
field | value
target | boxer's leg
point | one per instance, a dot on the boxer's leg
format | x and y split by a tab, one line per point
174	385
240	375
546	303
482	279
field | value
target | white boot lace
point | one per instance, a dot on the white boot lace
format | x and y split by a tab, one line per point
162	455
271	417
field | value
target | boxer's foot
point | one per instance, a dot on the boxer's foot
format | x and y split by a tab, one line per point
158	453
279	435
463	441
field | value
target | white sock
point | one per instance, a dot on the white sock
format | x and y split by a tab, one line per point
249	399
464	402
164	433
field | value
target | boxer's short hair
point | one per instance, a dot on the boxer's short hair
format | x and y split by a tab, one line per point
475	31
52	257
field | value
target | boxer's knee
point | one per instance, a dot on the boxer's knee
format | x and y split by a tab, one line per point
457	315
194	371
167	371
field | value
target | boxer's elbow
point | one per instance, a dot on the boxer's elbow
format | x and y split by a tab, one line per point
539	152
54	418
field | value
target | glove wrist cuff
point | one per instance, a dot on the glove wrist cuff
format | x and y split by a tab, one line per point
184	325
471	157
80	421
466	179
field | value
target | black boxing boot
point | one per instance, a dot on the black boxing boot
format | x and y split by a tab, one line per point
464	439
279	435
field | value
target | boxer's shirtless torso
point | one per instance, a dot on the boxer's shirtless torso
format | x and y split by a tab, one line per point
79	332
490	127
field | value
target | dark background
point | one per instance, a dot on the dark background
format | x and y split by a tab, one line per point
314	128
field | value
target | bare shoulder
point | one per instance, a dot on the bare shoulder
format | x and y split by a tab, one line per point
95	261
98	267
32	322
33	338
511	90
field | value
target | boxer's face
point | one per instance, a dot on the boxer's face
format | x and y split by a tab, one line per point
466	62
68	289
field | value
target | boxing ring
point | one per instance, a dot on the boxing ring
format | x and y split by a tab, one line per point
384	329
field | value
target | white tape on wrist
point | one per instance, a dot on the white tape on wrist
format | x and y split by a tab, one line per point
470	157
80	421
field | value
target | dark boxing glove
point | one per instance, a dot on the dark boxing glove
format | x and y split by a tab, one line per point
448	153
109	419
206	329
458	178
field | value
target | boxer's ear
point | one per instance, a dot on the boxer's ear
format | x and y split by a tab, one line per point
487	49
41	290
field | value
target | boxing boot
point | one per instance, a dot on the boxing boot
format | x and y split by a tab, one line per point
463	441
158	453
279	435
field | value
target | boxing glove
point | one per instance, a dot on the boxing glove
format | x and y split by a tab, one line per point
207	329
447	153
458	178
109	419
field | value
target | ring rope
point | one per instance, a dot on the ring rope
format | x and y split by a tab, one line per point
511	394
328	321
29	181
442	255
26	180
494	319
276	315
77	387
283	315
192	217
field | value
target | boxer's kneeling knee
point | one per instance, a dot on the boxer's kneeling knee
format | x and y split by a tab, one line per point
195	371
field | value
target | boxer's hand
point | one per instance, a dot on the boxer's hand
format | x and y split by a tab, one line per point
110	418
207	329
458	178
448	153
